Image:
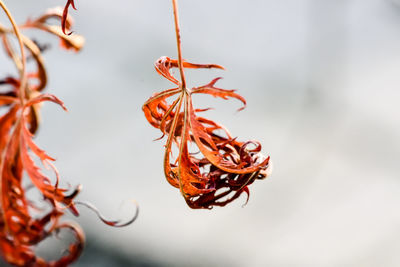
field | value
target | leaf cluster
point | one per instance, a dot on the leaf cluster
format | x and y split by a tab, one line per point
224	167
23	224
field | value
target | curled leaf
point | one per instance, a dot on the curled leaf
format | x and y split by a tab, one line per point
67	41
19	232
218	92
225	167
114	223
65	24
22	224
164	64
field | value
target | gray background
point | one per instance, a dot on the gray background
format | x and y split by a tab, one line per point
322	83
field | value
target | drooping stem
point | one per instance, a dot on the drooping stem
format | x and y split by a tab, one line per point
178	43
21	46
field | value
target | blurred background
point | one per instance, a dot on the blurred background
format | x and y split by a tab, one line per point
322	82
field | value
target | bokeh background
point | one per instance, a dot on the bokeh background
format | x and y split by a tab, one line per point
322	82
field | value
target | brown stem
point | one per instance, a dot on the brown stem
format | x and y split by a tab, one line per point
178	43
21	46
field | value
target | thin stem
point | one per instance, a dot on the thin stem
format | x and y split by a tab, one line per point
21	46
183	144
12	53
171	137
178	43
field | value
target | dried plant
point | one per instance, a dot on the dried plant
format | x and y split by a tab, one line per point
219	174
22	224
64	19
225	167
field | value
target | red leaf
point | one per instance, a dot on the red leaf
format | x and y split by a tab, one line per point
217	92
74	42
64	21
225	167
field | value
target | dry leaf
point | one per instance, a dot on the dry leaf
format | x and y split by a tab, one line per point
22	225
225	167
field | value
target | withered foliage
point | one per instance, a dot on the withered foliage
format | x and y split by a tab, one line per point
22	224
20	231
225	167
64	19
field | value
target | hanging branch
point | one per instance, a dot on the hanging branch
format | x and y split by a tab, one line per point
225	167
20	230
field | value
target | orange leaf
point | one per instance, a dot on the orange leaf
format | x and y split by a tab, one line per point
225	167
